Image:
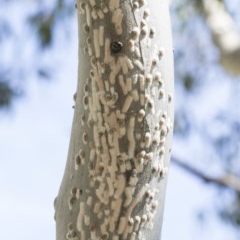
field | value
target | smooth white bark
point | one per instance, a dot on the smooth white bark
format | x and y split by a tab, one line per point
225	35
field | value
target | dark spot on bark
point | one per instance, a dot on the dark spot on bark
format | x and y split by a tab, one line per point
116	47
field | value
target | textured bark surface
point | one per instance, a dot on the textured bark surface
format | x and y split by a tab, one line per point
115	177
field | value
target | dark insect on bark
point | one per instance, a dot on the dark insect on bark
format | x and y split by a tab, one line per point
116	47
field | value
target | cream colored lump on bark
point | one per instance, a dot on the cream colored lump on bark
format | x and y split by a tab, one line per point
126	124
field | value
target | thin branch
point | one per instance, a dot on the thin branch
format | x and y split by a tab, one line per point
227	180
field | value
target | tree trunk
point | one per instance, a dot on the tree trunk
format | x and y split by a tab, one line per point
115	178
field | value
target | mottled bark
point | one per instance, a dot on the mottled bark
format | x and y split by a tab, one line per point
115	178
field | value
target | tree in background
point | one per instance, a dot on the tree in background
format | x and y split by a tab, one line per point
212	40
204	70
